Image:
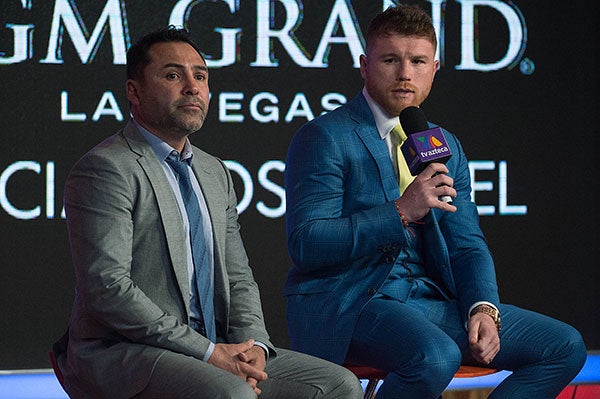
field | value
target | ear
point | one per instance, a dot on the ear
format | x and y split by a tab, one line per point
363	65
436	67
132	88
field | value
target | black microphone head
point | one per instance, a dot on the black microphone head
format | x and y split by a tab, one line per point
413	120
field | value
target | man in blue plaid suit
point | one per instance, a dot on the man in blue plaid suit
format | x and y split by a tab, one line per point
403	281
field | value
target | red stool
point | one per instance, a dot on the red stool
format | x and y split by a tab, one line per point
473	371
373	375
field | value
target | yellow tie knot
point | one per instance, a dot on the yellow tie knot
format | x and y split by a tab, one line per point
399	132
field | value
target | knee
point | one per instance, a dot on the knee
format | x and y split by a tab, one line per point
573	348
445	357
337	382
235	391
427	375
437	364
345	385
241	394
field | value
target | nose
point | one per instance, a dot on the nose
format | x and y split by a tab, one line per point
191	86
402	72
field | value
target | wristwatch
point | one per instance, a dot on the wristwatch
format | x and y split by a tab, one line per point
490	311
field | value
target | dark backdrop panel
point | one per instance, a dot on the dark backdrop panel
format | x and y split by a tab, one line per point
529	128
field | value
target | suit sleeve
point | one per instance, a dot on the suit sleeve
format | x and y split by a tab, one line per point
246	320
471	261
100	202
336	211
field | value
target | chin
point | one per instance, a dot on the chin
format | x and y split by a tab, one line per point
395	111
191	125
395	108
194	127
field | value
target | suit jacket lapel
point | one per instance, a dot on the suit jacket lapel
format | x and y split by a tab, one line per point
368	133
170	215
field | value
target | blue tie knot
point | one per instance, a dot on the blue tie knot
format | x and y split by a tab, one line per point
180	167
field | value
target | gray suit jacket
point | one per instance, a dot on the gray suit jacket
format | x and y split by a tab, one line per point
128	249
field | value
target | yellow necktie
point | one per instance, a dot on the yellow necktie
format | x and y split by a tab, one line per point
404	176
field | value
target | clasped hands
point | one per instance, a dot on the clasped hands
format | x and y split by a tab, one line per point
245	360
484	340
423	193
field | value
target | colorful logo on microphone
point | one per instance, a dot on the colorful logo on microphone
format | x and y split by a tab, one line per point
426	147
432	142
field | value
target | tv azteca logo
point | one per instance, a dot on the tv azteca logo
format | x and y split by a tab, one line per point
429	145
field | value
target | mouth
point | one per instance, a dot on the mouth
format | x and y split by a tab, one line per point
403	93
192	105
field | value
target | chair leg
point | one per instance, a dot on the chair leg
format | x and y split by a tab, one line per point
371	388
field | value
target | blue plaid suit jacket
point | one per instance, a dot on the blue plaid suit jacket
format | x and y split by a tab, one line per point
344	233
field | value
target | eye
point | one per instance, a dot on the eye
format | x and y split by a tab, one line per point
172	76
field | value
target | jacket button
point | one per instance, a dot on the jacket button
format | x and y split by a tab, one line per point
371	291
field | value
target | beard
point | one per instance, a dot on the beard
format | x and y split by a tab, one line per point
173	120
187	120
188	124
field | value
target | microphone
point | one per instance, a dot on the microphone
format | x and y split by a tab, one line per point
423	145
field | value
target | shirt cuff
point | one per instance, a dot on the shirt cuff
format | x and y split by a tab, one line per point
491	305
209	352
266	349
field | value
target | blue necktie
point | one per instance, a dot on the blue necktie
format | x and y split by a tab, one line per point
202	269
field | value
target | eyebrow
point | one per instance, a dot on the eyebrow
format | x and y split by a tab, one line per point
175	65
415	56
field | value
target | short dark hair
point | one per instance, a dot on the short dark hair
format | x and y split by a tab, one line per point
138	54
404	20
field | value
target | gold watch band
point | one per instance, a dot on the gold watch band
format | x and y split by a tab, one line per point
490	311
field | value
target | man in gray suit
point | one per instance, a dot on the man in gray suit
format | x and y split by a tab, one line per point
138	326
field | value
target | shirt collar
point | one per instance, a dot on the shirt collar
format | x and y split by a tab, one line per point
383	121
162	149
